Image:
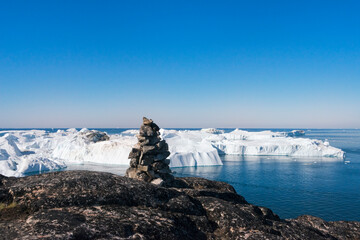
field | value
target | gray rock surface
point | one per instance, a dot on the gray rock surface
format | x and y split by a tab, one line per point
94	135
148	158
94	205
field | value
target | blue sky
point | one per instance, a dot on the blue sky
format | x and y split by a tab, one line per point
263	64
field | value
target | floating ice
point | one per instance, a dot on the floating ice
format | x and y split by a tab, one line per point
272	143
189	148
18	158
28	151
295	133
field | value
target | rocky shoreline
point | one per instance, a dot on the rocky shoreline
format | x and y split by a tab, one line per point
96	205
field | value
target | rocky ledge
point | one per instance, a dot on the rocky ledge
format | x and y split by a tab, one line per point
94	205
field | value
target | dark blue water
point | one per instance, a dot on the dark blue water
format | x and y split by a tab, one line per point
291	187
327	188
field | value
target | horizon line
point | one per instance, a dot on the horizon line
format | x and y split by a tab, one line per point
20	128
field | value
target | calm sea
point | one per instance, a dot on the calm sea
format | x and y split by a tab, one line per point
327	188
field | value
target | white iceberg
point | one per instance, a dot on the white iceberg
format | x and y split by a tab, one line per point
241	142
22	152
77	150
16	158
294	133
272	144
189	148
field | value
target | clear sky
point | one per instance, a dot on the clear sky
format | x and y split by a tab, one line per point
263	64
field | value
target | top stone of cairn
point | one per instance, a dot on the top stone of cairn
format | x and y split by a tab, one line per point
147	121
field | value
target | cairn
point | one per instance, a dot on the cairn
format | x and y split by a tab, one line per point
149	156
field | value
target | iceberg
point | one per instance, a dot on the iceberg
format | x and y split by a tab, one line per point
239	142
16	158
23	152
295	133
78	150
189	148
272	144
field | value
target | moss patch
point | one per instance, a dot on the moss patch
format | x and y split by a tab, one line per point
4	205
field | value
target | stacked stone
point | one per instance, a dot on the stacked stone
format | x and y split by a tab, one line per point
149	156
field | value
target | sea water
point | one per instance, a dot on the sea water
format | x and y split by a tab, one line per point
325	187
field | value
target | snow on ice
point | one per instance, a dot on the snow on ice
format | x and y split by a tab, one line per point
22	152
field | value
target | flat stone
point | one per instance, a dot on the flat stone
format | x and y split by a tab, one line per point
154	140
165	170
142	175
161	156
151	173
162	146
131	172
143	168
147	121
158	165
147	161
167	177
145	142
134	162
158	182
146	131
140	138
137	146
147	149
148	157
155	127
135	153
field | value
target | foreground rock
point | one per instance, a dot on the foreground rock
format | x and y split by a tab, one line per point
94	205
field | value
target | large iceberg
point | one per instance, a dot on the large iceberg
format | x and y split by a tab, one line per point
78	149
190	148
272	144
22	152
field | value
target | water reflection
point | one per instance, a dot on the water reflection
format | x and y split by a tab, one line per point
212	172
272	159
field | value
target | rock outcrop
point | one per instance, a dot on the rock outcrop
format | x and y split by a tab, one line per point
94	205
149	156
94	135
